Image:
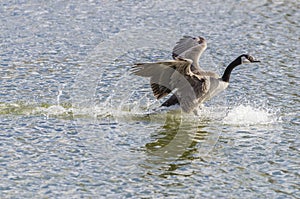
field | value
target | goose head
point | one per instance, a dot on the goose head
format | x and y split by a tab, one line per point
246	59
200	40
202	43
242	59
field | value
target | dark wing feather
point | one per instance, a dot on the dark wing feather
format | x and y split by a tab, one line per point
166	76
160	84
159	91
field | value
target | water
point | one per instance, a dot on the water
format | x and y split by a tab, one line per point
75	123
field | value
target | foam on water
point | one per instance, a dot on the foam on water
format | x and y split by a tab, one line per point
240	115
248	115
127	105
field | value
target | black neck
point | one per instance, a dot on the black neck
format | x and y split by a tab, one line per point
230	67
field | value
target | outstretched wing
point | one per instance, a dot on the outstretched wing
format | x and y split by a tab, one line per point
166	76
160	74
190	48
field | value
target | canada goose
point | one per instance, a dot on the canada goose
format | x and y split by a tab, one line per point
193	85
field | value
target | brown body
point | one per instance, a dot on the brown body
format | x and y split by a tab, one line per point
183	75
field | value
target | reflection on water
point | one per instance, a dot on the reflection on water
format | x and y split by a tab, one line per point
177	143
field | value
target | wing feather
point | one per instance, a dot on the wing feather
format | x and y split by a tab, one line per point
182	45
190	48
190	90
166	76
160	74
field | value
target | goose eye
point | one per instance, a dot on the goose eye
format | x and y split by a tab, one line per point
252	59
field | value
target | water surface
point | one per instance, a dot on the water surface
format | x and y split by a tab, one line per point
75	123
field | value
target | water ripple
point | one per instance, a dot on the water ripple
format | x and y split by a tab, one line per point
75	123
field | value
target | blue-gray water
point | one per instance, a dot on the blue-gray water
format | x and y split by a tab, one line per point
74	122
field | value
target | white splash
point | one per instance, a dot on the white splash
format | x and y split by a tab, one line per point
244	115
54	110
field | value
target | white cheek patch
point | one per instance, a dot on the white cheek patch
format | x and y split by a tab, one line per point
245	60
